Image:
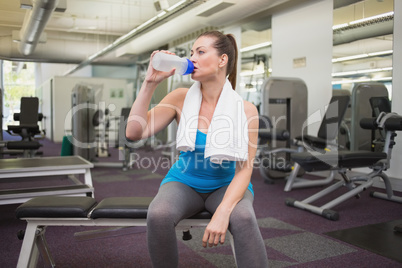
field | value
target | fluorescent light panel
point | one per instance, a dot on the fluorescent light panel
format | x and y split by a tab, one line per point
372	18
386	69
249	73
361	80
338	26
176	5
362	56
265	44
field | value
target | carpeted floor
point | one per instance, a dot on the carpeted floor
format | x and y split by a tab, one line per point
293	238
379	238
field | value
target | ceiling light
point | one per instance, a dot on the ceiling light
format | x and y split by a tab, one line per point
343	25
338	26
372	18
372	54
265	44
250	73
362	56
176	5
386	69
362	80
214	7
353	57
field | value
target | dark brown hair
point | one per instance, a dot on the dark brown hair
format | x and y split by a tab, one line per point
226	44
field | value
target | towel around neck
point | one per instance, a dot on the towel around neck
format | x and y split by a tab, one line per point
227	136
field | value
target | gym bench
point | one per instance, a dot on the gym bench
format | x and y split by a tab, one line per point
342	161
41	212
324	141
39	167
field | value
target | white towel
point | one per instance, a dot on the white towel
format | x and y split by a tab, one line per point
227	137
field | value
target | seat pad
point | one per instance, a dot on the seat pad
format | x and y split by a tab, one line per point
23	145
80	207
130	208
335	160
122	207
56	207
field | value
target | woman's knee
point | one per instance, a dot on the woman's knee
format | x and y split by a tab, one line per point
242	217
159	215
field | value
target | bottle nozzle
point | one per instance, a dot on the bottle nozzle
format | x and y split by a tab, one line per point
190	67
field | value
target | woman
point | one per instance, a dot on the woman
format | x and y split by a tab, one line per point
195	182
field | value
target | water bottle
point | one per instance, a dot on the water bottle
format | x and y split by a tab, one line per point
166	62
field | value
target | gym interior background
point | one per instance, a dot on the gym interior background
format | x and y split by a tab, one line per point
103	47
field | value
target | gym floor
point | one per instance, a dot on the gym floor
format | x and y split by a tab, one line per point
293	238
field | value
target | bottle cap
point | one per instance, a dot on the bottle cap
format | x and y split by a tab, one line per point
190	67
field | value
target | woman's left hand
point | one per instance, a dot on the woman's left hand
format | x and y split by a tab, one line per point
215	231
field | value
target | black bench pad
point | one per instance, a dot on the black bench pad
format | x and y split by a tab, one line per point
56	207
130	208
23	145
342	159
80	207
122	207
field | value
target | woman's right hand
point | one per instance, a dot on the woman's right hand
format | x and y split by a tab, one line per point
155	76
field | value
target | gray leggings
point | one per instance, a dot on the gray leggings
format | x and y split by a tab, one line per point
176	201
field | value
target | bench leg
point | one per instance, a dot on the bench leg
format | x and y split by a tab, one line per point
306	203
34	245
29	253
43	248
388	187
292	178
294	182
354	190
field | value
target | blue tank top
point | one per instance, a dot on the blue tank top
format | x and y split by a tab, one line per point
200	173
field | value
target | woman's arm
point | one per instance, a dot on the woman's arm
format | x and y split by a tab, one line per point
142	123
216	229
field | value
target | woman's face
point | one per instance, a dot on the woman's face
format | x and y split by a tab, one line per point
205	58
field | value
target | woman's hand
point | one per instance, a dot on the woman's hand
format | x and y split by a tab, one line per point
155	76
215	231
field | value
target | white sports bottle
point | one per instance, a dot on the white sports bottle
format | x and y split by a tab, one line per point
166	62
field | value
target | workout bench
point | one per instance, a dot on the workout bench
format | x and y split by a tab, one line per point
342	161
41	212
324	141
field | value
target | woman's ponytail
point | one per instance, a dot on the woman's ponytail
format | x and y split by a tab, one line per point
233	68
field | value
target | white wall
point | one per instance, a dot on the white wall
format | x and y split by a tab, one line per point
46	71
305	32
108	97
124	72
396	167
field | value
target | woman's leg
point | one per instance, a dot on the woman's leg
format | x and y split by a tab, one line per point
249	245
174	202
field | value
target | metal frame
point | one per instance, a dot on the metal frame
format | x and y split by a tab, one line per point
34	242
45	166
356	184
354	190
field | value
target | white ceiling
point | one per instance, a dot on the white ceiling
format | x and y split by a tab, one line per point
88	26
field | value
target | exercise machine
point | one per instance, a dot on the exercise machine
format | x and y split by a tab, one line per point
283	107
325	141
90	128
83	132
361	139
343	161
27	129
